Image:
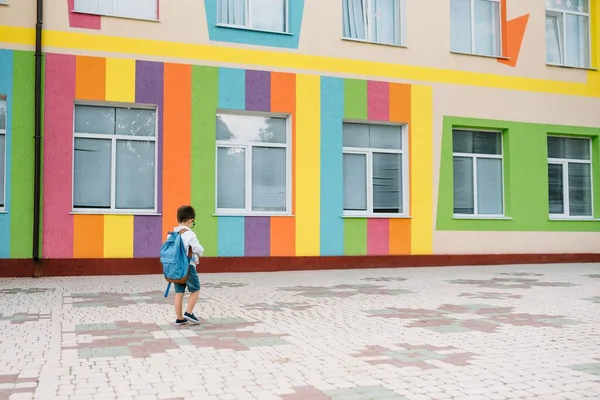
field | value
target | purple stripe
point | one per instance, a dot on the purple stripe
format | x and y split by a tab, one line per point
149	90
258	90
258	236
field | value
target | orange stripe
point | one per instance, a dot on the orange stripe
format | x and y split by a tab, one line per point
400	102
504	26
90	78
283	236
177	128
399	236
88	237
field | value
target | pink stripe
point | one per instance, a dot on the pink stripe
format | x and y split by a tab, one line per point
378	95
79	20
57	223
378	236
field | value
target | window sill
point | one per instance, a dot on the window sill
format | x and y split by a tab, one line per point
571	67
116	16
481	217
460	53
3	211
371	216
574	219
245	28
114	212
241	214
402	46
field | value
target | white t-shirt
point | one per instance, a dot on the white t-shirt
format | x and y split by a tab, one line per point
190	239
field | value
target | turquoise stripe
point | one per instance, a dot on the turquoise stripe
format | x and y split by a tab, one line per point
231	237
232	89
332	191
6	89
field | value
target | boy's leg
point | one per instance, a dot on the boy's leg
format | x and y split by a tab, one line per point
192	301
193	285
179	305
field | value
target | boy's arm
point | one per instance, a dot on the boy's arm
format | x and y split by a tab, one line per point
195	245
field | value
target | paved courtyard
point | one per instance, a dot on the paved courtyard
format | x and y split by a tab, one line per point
503	332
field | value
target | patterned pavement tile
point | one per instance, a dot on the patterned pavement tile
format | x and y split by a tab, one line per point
405	334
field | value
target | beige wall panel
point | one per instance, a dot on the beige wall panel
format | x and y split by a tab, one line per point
514	242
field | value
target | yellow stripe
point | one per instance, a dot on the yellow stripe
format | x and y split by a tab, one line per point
422	169
120	80
308	165
118	236
274	59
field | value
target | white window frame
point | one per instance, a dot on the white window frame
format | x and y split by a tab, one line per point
367	5
117	15
248	24
368	152
248	146
113	160
4	133
561	24
499	22
474	157
565	170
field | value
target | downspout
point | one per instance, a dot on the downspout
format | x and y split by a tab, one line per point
38	130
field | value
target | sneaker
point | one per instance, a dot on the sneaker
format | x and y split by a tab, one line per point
181	321
191	318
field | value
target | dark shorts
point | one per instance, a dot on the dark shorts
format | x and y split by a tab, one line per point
192	284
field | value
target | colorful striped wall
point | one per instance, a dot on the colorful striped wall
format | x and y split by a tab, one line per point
188	98
16	84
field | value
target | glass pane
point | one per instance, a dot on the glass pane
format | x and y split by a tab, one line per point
232	12
578	41
231	177
355	182
489	186
145	9
90	119
560	147
556	147
91	6
268	179
3	114
91	175
356	135
487	27
385	21
136	122
386	137
463	186
556	189
135	174
477	142
460	25
462	142
387	183
354	19
2	166
569	5
580	190
268	15
247	128
553	39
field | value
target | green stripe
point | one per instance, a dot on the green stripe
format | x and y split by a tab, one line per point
355	236
21	211
205	97
355	99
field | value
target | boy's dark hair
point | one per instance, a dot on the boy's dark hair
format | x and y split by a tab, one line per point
185	213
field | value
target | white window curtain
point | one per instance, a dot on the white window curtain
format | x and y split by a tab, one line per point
269	15
92	174
553	39
232	12
489	186
268	179
231	177
355	182
135	175
143	9
460	23
385	21
577	40
475	27
354	19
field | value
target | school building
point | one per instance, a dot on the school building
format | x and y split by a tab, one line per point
306	134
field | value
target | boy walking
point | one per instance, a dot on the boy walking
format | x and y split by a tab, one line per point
186	216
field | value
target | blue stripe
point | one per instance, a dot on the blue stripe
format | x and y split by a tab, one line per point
231	237
232	89
332	191
6	89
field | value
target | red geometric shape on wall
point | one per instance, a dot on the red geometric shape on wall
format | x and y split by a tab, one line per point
515	32
79	20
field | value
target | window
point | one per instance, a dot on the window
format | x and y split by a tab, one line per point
375	170
568	33
475	27
477	171
2	152
569	177
139	9
114	165
264	15
253	164
375	21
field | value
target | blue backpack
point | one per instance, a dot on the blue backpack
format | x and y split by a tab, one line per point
175	259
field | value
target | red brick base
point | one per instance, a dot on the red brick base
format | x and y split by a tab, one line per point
140	266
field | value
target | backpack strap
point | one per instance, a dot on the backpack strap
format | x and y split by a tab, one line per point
181	232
